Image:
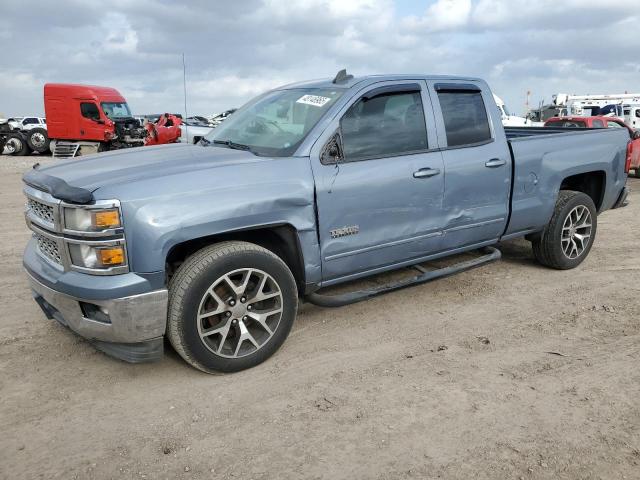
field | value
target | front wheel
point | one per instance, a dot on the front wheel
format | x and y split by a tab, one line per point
231	306
569	235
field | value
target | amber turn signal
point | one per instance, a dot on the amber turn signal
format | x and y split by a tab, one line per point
111	256
106	219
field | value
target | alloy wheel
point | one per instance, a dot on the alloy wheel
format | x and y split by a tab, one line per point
576	232
240	312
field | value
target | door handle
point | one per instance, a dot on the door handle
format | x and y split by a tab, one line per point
426	172
495	162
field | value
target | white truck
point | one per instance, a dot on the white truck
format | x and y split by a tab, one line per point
27	123
591	105
509	120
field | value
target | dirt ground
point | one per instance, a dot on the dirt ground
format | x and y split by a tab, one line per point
511	371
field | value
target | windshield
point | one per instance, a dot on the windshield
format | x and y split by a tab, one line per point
276	123
116	109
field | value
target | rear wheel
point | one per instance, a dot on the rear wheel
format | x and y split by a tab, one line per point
38	140
17	145
231	306
569	235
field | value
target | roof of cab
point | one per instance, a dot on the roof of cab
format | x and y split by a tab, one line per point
73	89
369	79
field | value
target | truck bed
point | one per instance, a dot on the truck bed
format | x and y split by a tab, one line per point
518	132
543	158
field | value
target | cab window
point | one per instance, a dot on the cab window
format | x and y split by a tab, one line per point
386	125
611	124
598	124
90	111
465	118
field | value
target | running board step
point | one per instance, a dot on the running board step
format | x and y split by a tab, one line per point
491	254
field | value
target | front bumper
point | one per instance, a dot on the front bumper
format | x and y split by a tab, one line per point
132	329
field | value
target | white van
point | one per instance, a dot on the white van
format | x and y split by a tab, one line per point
632	115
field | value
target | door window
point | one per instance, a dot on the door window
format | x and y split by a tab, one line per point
611	124
465	118
90	111
598	124
384	126
29	120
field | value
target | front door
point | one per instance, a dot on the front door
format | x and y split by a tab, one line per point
90	125
381	203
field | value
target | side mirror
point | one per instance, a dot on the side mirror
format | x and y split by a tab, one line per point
331	153
636	135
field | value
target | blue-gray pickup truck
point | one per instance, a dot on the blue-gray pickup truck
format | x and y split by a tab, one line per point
307	186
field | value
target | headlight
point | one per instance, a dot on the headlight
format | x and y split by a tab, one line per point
87	220
97	257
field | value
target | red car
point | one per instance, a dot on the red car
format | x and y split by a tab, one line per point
603	122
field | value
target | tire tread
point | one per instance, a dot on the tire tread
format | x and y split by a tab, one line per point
195	265
545	249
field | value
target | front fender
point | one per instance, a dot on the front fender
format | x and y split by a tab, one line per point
241	198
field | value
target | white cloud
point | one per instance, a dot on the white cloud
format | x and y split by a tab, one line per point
443	15
235	49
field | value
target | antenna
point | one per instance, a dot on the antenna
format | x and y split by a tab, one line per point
184	85
342	76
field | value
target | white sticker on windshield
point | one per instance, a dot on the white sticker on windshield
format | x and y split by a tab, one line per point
315	100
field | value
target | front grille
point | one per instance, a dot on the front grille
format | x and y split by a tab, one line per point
48	248
41	210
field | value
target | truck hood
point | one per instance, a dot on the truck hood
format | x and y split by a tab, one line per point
143	163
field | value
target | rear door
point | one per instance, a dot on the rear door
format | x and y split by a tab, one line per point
477	163
381	203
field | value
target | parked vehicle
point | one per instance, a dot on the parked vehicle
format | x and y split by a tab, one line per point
86	119
604	122
23	135
21	142
27	123
15	122
545	112
307	186
509	120
193	131
216	120
631	115
591	105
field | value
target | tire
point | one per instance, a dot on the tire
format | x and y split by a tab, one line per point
565	242
17	145
199	288
38	140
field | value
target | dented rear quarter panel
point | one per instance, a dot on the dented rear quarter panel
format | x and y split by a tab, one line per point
542	162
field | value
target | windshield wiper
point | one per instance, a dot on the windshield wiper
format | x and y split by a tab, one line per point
234	145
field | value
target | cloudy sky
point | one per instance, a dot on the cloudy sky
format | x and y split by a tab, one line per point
237	49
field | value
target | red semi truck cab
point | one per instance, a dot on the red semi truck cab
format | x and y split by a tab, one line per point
85	119
81	112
